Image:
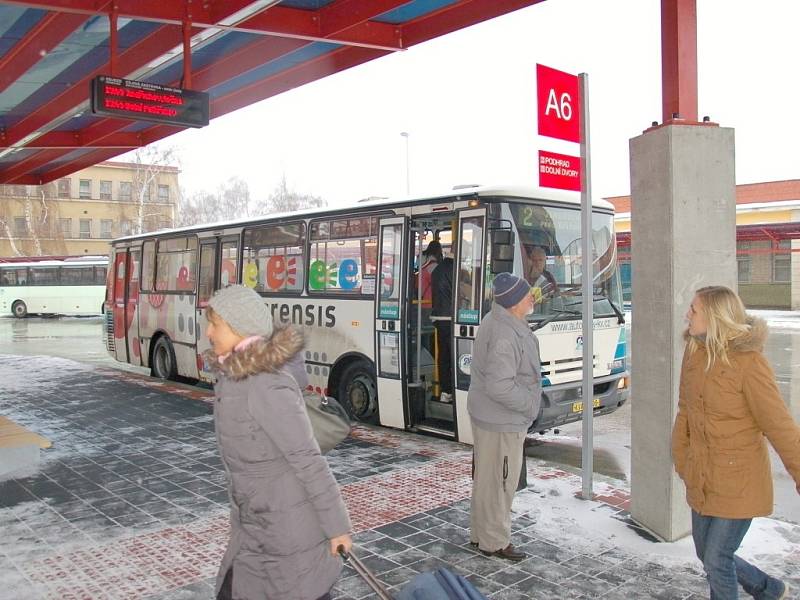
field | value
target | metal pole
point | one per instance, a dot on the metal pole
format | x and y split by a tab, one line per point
587	285
408	166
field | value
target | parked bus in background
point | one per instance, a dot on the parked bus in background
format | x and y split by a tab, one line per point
70	285
347	276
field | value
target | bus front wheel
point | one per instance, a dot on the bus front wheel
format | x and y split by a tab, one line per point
358	392
164	365
19	309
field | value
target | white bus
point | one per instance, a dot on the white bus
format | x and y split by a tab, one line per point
347	276
72	285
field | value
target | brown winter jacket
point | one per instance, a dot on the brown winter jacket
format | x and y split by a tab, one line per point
718	444
285	503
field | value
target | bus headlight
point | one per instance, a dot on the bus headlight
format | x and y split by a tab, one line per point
622	384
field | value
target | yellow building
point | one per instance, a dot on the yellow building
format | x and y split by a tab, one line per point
79	214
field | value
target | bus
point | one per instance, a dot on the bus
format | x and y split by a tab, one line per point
68	285
348	278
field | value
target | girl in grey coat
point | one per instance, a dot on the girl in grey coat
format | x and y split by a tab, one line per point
287	515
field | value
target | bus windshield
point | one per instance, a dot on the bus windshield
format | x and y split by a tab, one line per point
548	255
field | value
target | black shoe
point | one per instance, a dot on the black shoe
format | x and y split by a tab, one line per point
509	553
474	544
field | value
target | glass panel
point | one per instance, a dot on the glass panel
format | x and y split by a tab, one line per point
229	267
85	189
105	190
163	193
119	276
86	228
148	265
339	266
100	275
77	275
391	248
273	258
470	270
125	190
44	275
205	285
106	226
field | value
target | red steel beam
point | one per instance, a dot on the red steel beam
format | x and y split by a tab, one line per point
29	164
72	140
48	33
341	15
679	60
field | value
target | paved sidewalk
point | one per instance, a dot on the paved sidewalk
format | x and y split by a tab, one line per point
130	503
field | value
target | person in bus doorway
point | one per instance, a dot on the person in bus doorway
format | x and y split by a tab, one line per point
536	272
503	401
442	317
728	403
287	515
433	256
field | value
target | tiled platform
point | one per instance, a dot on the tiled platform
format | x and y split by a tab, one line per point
130	503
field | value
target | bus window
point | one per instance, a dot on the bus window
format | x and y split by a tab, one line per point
44	275
230	263
343	256
390	272
77	276
470	270
208	264
148	265
100	275
273	258
175	264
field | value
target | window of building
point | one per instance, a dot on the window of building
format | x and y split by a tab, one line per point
20	226
86	229
273	258
163	193
782	262
106	226
105	190
146	192
176	259
125	227
64	188
65	227
343	256
125	191
744	261
85	189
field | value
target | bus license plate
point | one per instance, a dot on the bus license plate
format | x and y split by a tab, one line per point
578	406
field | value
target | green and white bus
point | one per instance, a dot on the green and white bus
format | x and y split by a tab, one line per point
72	285
347	276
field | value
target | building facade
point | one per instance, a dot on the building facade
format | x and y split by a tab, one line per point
767	243
81	213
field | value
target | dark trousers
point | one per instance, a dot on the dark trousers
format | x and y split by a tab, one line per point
444	335
226	591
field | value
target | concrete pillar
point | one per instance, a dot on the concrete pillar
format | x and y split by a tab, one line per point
683	233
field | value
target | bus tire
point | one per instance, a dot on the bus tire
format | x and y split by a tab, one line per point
163	364
358	392
19	309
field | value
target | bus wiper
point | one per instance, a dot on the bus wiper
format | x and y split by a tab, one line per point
614	307
551	318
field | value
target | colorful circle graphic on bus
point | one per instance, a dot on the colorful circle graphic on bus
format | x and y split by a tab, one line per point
250	275
281	273
344	276
227	273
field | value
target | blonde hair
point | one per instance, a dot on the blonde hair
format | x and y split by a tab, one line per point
726	320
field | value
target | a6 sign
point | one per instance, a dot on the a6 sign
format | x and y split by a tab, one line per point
558	104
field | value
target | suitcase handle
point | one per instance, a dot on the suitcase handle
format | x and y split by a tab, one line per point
365	573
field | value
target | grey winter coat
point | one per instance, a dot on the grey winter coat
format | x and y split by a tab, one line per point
505	388
285	503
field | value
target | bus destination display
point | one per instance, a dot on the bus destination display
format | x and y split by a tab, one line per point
129	99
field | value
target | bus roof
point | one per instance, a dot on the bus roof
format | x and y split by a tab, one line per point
461	192
89	262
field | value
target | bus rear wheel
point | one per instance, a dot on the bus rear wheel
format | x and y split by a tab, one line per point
358	392
164	365
19	309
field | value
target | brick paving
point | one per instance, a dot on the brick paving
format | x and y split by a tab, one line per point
131	503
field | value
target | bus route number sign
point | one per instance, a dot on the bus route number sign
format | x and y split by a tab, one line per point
143	101
558	104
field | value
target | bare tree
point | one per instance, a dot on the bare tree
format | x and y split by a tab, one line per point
231	200
283	199
148	163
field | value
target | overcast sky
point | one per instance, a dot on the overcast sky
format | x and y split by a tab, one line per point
468	102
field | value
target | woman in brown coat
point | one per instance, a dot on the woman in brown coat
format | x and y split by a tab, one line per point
728	403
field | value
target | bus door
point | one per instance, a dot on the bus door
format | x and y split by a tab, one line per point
471	271
218	268
390	320
124	309
132	306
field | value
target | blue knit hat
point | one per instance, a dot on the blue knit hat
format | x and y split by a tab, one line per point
509	289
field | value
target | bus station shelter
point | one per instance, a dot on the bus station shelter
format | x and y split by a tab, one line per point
242	51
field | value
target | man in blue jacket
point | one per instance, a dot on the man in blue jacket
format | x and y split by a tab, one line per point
504	397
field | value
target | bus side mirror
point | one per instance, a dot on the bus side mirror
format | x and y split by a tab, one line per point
502	251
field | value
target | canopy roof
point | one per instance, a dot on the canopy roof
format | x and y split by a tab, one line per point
242	51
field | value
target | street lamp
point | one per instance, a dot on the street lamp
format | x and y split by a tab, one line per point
408	168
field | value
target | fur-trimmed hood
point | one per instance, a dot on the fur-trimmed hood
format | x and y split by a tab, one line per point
752	341
265	355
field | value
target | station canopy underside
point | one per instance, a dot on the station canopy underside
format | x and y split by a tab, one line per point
241	51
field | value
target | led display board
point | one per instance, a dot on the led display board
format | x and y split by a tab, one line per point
142	101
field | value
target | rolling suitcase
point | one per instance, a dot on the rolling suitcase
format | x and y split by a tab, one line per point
440	584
